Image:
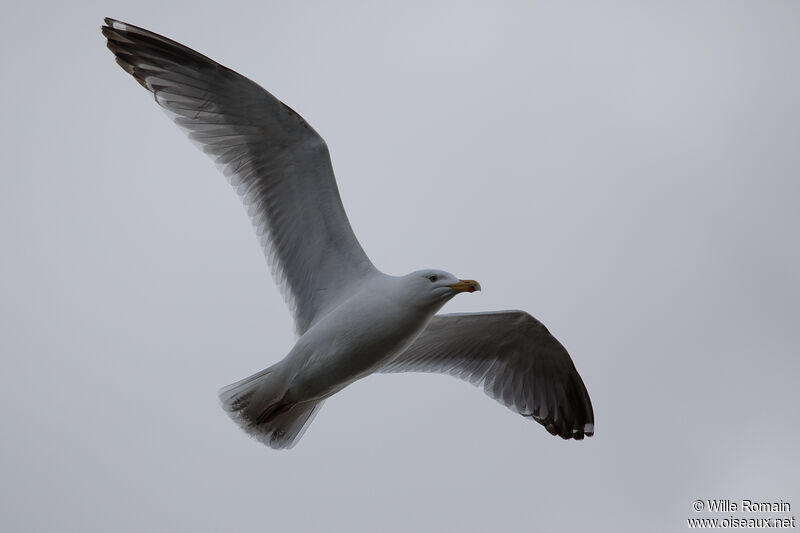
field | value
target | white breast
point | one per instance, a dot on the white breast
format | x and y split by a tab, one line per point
374	325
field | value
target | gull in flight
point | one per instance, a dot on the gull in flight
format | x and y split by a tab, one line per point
352	320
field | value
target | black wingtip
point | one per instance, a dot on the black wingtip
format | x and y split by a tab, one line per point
133	44
113	24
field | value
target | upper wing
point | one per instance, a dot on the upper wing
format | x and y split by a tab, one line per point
518	362
277	163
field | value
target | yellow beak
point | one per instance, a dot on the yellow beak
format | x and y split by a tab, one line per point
466	285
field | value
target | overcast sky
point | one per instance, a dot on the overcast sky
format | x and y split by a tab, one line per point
628	173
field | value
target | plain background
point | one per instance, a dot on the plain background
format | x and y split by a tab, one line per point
626	172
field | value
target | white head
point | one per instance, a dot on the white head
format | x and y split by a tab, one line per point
433	288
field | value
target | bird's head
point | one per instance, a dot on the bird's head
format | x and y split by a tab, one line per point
436	287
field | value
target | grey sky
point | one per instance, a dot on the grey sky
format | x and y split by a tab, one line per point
626	172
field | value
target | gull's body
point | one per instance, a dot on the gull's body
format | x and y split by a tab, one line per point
363	334
352	320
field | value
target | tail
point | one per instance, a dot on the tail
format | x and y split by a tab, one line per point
256	404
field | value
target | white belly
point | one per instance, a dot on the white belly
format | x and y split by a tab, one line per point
351	342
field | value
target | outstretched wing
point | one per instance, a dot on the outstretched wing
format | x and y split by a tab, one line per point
277	163
516	360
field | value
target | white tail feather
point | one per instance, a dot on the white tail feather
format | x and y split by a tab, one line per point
256	405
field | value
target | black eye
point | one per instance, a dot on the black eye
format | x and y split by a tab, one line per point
433	278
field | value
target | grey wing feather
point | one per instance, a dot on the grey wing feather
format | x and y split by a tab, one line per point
278	164
516	360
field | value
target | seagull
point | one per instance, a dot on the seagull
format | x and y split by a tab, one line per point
351	319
